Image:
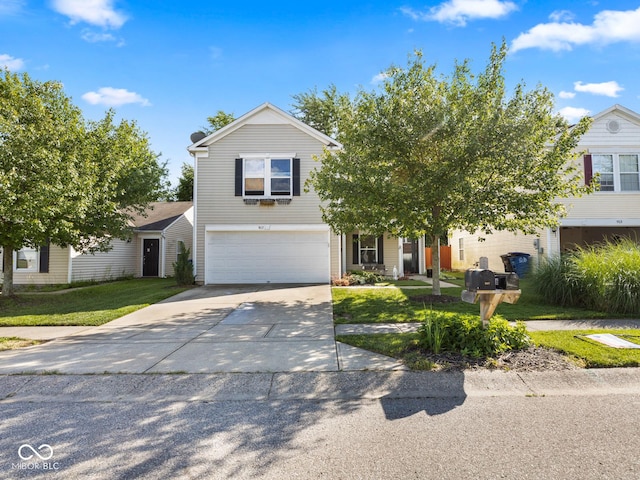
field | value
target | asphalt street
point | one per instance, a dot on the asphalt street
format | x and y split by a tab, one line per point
579	433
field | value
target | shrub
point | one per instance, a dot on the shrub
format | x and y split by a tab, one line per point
465	334
363	277
604	277
183	268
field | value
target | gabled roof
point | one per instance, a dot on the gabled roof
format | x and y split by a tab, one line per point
265	114
160	215
623	111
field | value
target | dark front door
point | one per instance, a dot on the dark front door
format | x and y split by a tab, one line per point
150	257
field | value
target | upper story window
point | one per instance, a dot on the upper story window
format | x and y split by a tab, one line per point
617	172
267	176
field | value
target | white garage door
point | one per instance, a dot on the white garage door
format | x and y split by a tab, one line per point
267	257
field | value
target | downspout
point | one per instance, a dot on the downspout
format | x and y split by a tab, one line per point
70	249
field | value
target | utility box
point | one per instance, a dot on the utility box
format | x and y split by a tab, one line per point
479	279
507	281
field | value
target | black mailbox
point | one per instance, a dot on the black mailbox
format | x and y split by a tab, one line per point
479	279
507	281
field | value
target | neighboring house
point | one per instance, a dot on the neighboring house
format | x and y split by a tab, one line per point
151	251
611	148
254	220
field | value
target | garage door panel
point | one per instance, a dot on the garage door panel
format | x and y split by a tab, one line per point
267	256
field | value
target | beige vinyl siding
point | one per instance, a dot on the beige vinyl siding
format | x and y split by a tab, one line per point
495	245
608	205
116	263
604	205
599	136
216	201
180	230
58	270
389	254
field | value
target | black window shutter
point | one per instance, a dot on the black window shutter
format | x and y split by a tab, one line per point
44	258
296	177
238	177
380	250
356	249
588	169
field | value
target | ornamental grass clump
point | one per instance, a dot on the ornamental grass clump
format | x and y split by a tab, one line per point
604	277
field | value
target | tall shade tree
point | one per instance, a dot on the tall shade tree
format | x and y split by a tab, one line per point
217	121
426	154
184	190
63	180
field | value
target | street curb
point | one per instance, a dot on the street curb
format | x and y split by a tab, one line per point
319	386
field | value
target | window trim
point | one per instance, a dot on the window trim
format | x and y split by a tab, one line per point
35	268
616	173
368	249
267	158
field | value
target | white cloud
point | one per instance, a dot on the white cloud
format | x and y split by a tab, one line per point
458	12
10	62
114	97
95	12
609	26
96	37
567	94
608	89
573	114
381	77
561	16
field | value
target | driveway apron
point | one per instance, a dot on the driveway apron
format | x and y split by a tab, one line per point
272	328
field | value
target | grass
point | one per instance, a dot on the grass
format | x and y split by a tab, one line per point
9	343
89	306
403	346
590	352
393	305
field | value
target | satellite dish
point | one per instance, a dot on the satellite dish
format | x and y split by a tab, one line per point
197	136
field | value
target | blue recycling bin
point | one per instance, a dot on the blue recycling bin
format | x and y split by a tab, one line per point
517	262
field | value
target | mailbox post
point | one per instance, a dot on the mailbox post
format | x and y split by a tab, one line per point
491	289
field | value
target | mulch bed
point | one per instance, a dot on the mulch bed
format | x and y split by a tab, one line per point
532	359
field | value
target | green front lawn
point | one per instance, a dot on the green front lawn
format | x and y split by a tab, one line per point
590	352
394	305
9	343
87	306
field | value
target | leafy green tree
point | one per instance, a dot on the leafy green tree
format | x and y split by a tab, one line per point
184	190
217	121
64	180
425	154
326	112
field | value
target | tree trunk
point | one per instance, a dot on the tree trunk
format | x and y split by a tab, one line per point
7	263
435	260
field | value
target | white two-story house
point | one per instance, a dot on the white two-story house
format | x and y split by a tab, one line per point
255	222
611	148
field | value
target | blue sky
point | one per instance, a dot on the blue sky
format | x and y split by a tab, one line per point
170	64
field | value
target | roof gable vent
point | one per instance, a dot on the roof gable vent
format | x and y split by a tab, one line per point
613	126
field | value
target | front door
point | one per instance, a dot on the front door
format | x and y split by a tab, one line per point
151	257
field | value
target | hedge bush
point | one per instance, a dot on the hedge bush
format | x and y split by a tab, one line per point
603	277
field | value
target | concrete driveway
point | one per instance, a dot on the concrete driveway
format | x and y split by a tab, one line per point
272	328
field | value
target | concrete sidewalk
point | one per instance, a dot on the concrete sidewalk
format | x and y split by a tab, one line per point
532	326
268	328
